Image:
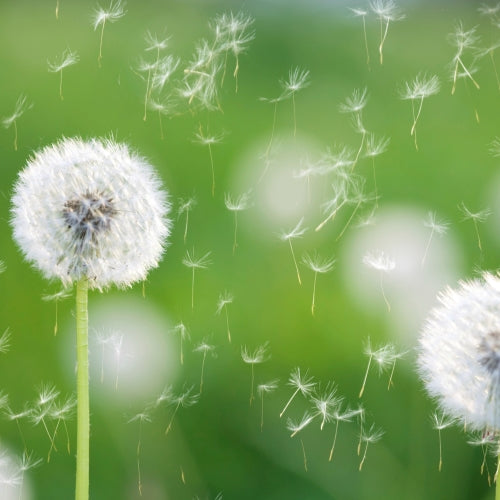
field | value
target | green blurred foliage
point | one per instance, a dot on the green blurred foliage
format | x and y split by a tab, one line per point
217	445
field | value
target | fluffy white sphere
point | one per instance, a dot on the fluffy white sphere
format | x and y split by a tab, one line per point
459	357
90	209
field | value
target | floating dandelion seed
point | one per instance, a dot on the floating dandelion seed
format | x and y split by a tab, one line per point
487	441
26	463
192	262
164	107
93	213
149	68
236	205
437	227
340	416
259	355
301	383
297	232
155	43
491	52
297	80
387	11
275	102
16	416
22	105
68	58
184	400
204	348
358	198
262	389
296	427
185	206
371	437
384	357
56	297
419	89
224	300
141	418
476	217
209	141
115	11
332	206
363	13
5	341
441	422
317	265
61	412
383	264
181	330
326	401
462	40
46	397
375	147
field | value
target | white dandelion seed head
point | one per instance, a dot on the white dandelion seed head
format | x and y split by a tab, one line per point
90	209
459	353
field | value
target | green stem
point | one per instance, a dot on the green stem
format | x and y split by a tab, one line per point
83	421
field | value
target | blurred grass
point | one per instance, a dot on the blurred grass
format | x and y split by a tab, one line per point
218	443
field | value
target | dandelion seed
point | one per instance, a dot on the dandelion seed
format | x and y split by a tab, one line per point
476	218
436	226
16	416
301	383
164	107
487	441
163	70
224	300
46	399
357	197
297	80
296	427
115	11
154	43
340	416
68	58
332	206
259	355
383	264
22	105
373	148
275	102
26	463
61	412
317	265
56	297
441	422
419	89
363	13
184	400
185	206
495	147
297	232
262	389
236	205
326	401
140	417
57	9
387	11
181	330
462	40
204	348
209	141
371	437
490	51
384	357
192	262
489	10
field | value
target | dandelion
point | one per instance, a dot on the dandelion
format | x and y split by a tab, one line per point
475	217
209	141
185	206
236	205
462	40
317	265
262	389
204	348
92	213
326	401
436	226
301	383
68	58
115	11
387	11
419	89
375	147
363	13
297	232
224	300
142	417
441	422
259	355
371	437
181	330
195	263
383	264
22	105
184	399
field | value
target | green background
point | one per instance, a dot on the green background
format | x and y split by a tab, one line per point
217	443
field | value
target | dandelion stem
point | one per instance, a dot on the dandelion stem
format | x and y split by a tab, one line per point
15	135
366	376
192	291
186	226
60	86
252	397
366	43
304	455
289	401
383	292
440	465
295	261
99	58
477	234
427	248
495	68
83	419
202	370
334	441
227	324
364	457
314	293
235	244
349	221
212	167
